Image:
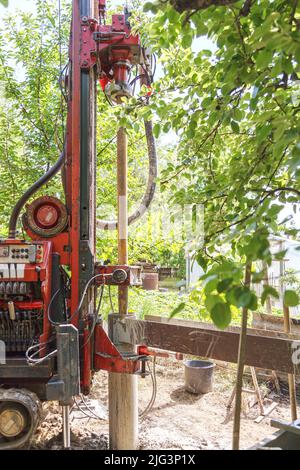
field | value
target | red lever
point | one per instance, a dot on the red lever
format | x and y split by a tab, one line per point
145	351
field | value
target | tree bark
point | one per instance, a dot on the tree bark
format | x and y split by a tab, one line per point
240	368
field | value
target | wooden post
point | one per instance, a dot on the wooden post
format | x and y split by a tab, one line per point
240	368
96	9
266	284
257	391
291	377
122	214
123	395
269	311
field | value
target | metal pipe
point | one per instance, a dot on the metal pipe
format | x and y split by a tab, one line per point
66	427
30	192
123	390
122	170
151	185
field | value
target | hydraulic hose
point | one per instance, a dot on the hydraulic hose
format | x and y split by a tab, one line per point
151	186
30	192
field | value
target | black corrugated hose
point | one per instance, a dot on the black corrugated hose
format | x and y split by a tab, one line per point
151	186
30	192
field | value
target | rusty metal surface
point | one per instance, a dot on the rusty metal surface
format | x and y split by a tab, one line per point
268	352
17	368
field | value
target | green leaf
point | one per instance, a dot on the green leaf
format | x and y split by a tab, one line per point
280	255
202	262
173	16
177	310
149	6
291	298
4	3
269	291
221	315
156	130
210	285
167	127
264	58
224	284
242	297
235	127
211	300
187	40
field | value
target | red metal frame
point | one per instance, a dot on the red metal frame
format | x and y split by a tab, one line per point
133	275
31	274
74	168
146	351
116	49
107	356
109	43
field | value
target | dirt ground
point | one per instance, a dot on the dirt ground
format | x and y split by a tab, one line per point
178	420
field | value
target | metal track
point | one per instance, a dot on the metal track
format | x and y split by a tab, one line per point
33	407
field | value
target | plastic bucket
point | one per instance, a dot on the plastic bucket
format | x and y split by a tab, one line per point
199	376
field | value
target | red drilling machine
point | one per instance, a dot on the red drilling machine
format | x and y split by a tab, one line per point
50	328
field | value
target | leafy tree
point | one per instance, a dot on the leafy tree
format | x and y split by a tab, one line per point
33	51
31	131
235	108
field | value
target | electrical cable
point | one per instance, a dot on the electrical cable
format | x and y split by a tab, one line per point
155	66
151	403
85	292
95	317
110	300
62	80
40	347
90	410
144	413
82	411
30	358
80	303
93	414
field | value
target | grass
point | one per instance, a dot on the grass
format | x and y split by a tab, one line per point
155	303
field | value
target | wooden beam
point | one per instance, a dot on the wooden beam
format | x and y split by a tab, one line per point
266	350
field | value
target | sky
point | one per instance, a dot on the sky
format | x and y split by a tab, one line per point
25	5
29	5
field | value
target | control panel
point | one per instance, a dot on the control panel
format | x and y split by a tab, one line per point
23	254
25	290
18	266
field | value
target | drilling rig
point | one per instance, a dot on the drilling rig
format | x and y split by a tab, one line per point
50	326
